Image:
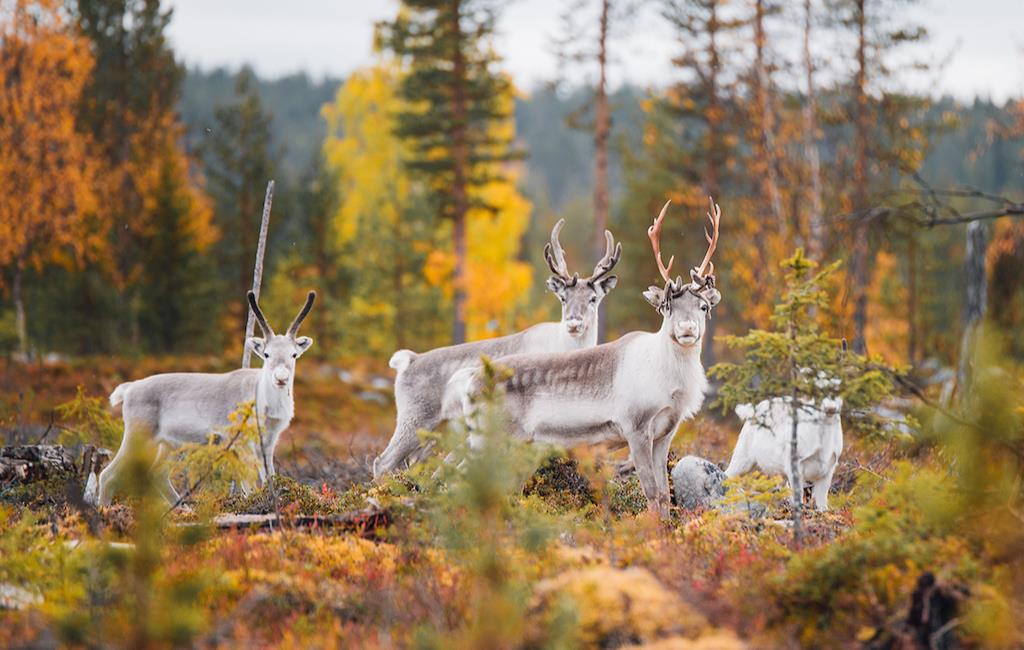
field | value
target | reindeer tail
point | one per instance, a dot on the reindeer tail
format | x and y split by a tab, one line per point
118	395
400	360
745	411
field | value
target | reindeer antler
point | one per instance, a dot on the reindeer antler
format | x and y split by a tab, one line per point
612	253
654	234
707	267
555	256
294	328
260	318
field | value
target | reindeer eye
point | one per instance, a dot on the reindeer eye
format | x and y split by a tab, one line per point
704	307
266	355
593	299
295	355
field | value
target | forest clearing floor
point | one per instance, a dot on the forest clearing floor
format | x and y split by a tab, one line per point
493	555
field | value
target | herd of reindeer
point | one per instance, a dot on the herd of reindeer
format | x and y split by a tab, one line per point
564	388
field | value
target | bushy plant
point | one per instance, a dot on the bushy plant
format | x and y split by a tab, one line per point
88	420
225	457
280	494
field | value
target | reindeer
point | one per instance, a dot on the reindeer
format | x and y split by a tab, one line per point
174	408
421	380
766	439
635	390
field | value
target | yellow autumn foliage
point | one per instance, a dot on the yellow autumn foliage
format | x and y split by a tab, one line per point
364	153
626	603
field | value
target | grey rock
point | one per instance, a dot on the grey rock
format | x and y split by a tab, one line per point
697	483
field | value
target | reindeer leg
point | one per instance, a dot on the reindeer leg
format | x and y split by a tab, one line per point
742	460
820	491
404	443
663	429
642	452
113	469
163	481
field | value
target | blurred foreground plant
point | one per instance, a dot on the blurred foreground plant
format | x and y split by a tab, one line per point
142	594
476	512
88	421
955	514
227	456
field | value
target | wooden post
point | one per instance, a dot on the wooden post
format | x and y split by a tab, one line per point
257	274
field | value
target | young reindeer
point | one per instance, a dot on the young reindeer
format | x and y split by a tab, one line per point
175	408
635	390
421	380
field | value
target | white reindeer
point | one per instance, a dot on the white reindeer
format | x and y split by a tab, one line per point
174	408
421	380
635	390
766	441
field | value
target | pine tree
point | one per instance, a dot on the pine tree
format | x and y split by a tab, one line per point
238	161
452	94
175	282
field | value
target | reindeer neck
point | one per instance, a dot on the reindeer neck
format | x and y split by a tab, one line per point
272	402
568	342
685	360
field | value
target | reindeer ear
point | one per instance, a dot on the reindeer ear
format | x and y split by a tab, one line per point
713	296
556	285
607	283
256	344
303	343
655	296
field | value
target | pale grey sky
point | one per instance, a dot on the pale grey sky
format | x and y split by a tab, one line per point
334	37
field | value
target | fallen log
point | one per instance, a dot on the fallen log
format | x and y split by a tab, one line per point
361	522
30	463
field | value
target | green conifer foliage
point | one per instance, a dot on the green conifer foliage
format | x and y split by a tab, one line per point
453	94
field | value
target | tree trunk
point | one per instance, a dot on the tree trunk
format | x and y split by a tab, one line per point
766	135
460	159
796	481
860	273
912	344
19	312
974	301
815	225
714	151
602	127
257	272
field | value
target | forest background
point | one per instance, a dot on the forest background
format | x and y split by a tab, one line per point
150	249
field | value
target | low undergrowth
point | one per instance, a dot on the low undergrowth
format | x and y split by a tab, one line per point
513	546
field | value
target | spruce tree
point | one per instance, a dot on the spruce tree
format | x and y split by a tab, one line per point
453	92
237	159
130	108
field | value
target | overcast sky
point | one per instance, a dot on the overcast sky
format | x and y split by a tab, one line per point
986	38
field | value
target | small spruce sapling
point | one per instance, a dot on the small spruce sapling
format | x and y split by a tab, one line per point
795	359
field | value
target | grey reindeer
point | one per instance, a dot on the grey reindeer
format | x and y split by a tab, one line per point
174	408
633	391
421	380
